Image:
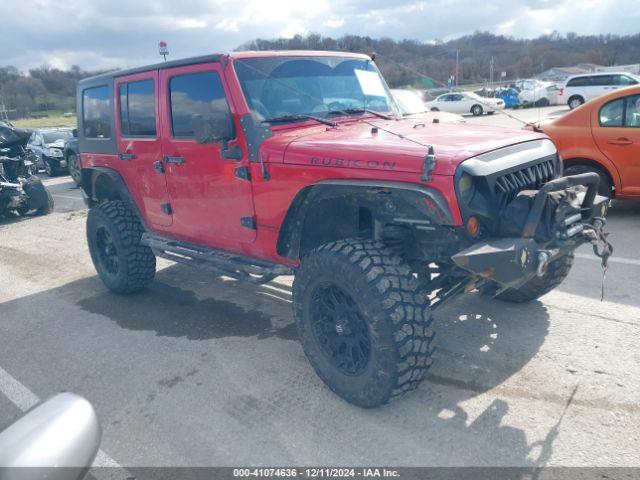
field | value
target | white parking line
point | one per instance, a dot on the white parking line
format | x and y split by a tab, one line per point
623	260
20	396
24	399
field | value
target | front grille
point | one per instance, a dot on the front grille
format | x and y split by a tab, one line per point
533	177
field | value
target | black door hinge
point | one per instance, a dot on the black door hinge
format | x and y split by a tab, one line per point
248	222
166	208
243	173
158	166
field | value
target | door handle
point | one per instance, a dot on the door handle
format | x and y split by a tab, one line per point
620	141
127	156
175	160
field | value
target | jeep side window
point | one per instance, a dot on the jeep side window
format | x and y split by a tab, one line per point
195	94
137	109
611	114
96	112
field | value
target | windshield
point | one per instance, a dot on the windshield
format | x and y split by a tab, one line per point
409	102
280	86
51	137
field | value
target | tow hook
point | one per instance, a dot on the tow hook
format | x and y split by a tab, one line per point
543	262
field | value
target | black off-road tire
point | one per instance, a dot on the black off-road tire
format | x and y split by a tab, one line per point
605	187
556	272
387	298
128	266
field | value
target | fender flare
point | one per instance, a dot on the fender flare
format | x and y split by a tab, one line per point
432	203
91	186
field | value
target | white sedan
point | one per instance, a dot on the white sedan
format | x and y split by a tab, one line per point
465	102
412	106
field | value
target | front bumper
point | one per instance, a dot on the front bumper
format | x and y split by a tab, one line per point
57	163
512	262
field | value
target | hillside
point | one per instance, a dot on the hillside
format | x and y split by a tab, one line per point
50	91
403	61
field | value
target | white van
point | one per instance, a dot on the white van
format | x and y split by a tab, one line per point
582	88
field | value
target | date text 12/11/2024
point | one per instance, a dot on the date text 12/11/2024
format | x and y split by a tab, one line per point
324	472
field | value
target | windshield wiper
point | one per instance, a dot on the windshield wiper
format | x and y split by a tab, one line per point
299	116
349	111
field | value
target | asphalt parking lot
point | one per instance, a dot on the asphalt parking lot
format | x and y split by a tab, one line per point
201	370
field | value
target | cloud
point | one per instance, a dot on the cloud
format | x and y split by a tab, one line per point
335	22
97	34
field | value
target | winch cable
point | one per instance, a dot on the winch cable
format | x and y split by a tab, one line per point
320	100
597	235
413	70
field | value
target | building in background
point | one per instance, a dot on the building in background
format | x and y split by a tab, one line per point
560	74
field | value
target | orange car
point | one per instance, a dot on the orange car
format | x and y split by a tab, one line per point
602	136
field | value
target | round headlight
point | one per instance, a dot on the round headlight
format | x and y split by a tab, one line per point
466	187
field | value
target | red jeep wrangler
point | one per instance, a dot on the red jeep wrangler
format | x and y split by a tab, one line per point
276	163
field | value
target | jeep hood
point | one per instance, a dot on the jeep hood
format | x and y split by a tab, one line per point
357	145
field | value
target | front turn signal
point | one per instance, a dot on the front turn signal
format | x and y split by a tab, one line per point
473	226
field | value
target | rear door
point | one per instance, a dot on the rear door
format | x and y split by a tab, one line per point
616	130
211	198
138	143
598	85
461	103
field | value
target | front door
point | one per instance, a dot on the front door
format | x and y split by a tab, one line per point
139	146
616	130
212	203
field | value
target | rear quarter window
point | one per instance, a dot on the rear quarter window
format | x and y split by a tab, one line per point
612	113
96	112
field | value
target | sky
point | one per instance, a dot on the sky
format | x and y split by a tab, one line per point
102	34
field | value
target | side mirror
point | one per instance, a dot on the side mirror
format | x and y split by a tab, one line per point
74	132
61	432
212	129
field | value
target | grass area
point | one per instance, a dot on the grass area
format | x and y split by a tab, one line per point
51	121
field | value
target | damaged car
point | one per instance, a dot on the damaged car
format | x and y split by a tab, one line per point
21	192
48	146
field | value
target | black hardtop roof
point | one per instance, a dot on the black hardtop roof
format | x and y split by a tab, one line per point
216	57
156	66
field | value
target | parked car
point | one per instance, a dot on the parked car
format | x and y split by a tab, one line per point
464	103
258	164
579	89
48	144
411	105
71	154
509	96
603	136
532	92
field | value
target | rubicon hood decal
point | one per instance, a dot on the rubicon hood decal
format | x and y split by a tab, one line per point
354	145
352	163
